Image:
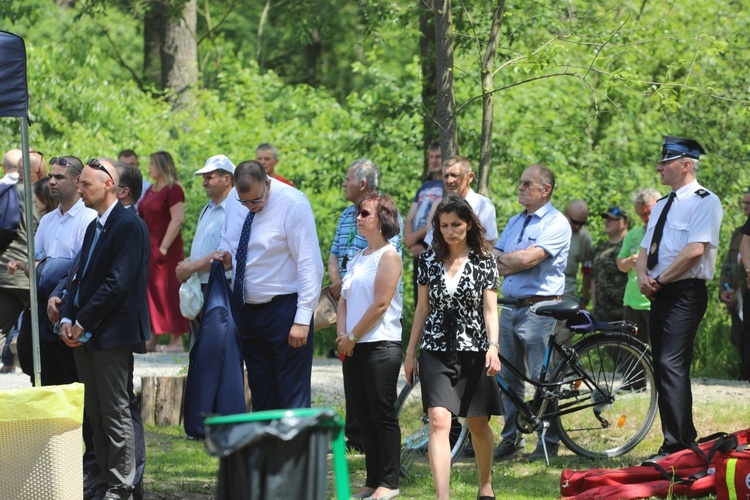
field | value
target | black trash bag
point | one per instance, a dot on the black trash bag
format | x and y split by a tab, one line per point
272	459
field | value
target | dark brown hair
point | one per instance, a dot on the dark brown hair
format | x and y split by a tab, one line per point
476	236
387	213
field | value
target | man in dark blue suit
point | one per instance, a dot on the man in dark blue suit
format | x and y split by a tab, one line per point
105	318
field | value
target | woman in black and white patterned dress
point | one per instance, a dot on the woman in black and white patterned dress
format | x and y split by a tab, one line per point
456	323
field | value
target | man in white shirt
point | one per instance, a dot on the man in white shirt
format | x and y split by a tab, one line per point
457	179
270	226
57	242
217	181
10	166
677	257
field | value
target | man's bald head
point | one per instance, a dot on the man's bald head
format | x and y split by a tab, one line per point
11	159
577	214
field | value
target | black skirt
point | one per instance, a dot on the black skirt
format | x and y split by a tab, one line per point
464	388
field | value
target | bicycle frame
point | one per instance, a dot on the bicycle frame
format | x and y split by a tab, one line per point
534	410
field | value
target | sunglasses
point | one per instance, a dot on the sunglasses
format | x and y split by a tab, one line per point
526	184
257	200
576	222
94	163
63	162
364	213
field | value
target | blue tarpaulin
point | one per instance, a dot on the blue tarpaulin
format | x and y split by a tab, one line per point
14	100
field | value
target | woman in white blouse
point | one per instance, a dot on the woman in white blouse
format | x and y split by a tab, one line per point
456	322
369	339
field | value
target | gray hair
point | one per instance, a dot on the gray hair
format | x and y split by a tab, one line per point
366	170
268	147
644	196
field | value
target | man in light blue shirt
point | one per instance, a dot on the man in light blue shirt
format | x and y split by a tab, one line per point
532	253
217	181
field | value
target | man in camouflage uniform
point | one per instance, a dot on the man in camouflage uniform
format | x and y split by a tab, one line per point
608	282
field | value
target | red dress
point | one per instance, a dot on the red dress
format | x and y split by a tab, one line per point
163	287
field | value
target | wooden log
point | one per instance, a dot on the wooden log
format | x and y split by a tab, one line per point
169	395
148	399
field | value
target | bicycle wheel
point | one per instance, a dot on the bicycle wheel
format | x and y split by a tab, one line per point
607	394
415	428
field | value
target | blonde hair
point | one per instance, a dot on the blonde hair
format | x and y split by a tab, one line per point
164	163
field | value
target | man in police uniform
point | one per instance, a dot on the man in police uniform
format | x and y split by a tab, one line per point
677	257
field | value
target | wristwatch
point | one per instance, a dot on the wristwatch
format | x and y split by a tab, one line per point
657	281
352	337
496	344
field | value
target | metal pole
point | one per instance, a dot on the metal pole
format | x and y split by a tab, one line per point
29	214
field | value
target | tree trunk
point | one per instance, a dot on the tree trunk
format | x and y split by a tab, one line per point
153	41
485	148
446	99
430	131
179	55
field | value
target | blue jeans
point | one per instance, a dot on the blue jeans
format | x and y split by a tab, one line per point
523	341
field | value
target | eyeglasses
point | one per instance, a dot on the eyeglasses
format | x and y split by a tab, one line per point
364	213
576	222
526	184
746	203
94	163
256	201
63	162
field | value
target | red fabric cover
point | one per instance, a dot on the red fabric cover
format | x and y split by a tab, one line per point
741	472
643	481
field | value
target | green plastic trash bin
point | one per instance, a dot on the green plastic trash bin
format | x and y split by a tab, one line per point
277	454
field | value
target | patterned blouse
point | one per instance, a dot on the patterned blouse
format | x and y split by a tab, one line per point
465	308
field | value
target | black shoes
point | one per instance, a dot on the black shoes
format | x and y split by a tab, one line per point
507	449
538	453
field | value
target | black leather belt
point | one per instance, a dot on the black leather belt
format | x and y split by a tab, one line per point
534	299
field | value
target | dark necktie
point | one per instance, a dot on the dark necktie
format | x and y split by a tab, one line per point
97	232
238	292
653	254
525	223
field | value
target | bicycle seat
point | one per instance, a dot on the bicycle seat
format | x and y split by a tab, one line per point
559	310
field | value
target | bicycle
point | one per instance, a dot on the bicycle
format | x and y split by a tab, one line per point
598	393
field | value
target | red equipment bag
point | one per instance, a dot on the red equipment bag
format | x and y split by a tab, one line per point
687	473
733	474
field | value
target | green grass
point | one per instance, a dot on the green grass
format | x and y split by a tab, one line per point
179	468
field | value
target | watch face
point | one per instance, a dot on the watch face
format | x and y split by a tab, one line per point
351	337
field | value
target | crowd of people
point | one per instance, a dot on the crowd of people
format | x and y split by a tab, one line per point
110	262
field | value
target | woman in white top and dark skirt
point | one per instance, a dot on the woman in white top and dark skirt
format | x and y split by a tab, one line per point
370	340
456	322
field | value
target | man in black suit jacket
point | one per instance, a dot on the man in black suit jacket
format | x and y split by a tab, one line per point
107	299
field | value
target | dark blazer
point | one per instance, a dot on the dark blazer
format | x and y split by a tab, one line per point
112	289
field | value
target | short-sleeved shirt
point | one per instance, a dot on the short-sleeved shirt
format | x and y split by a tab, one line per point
631	245
695	217
208	232
609	281
548	229
467	303
427	194
581	253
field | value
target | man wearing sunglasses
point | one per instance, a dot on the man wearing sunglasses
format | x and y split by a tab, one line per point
677	257
269	240
107	301
581	254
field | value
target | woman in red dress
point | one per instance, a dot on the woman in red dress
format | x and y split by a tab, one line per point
163	209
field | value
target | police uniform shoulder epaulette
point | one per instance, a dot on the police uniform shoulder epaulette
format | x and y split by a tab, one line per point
702	193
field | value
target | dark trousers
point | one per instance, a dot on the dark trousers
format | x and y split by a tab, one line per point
353	427
676	314
278	374
372	374
106	375
641	318
12	303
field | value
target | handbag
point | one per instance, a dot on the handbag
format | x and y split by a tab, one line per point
191	297
325	312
